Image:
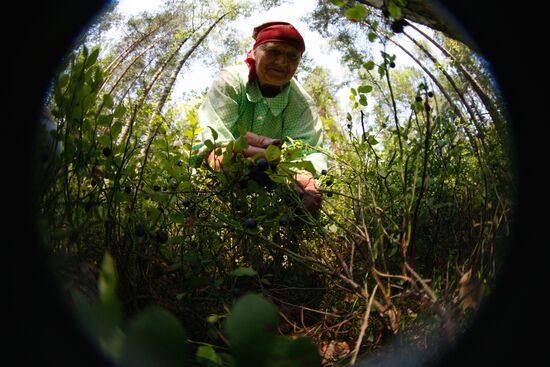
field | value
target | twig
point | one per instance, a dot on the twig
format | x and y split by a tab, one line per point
364	326
425	286
305	308
391	275
446	321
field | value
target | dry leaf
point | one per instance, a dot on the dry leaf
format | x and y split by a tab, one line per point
350	298
334	350
471	291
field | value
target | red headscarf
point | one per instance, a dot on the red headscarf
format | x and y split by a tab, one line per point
273	32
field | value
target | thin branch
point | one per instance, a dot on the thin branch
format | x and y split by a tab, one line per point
364	326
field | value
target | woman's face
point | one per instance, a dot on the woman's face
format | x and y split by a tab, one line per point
276	63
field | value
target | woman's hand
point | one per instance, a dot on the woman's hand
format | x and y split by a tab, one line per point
215	160
257	144
307	186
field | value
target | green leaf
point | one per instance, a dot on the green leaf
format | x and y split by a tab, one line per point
381	71
293	153
108	279
154	212
372	36
251	327
372	140
206	355
77	113
272	153
214	133
357	13
189	134
120	110
178	218
104	120
120	197
353	91
77	68
394	10
84	51
307	165
107	314
365	89
240	144
88	101
195	161
104	140
62	81
93	57
369	65
99	323
116	129
209	144
98	79
186	186
339	3
155	338
244	272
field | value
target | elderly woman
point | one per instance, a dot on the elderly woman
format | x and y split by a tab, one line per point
264	99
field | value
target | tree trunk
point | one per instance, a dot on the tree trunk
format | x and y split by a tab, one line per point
122	56
429	14
450	80
154	129
182	61
489	104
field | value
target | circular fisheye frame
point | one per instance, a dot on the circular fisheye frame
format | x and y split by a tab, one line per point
46	329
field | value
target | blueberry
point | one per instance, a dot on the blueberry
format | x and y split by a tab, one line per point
418	99
250	223
430	94
89	205
127	189
161	236
392	64
283	221
107	151
262	164
186	203
156	188
257	174
328	182
180	163
140	230
324	172
398	25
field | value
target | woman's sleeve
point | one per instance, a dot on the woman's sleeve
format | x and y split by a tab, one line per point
309	129
220	110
